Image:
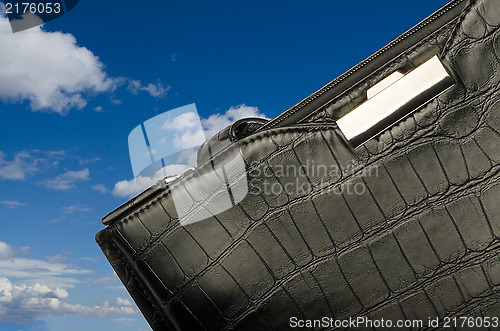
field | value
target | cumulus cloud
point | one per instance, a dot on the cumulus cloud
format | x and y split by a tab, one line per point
130	188
49	69
53	73
123	302
21	166
6	251
27	303
13	204
67	180
101	188
216	122
157	90
186	129
40	289
182	122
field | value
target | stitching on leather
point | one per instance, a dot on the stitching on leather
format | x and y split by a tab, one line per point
360	243
245	142
459	23
388	65
390	147
277	131
163	194
300	105
250	140
464	13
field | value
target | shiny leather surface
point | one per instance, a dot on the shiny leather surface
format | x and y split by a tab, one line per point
225	137
421	241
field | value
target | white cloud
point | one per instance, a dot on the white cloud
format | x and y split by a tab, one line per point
21	166
57	258
27	268
67	180
157	90
50	272
187	129
89	161
48	69
182	122
53	73
6	251
13	204
216	122
127	188
187	156
123	302
76	208
25	164
100	188
27	303
31	289
130	188
105	281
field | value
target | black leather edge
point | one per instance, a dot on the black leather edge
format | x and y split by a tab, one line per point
323	96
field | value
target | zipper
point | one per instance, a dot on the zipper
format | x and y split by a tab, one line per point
281	120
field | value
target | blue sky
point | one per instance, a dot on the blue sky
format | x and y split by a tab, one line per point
72	91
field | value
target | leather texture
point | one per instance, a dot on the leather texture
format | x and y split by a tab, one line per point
420	241
234	132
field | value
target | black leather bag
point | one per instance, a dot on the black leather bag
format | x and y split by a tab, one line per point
296	221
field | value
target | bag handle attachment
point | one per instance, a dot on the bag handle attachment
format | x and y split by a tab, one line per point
393	99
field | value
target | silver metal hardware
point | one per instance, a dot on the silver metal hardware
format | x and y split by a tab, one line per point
171	178
394	98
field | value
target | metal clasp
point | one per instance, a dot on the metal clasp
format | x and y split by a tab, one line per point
394	98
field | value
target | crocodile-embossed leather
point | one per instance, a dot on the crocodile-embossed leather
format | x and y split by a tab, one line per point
422	240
